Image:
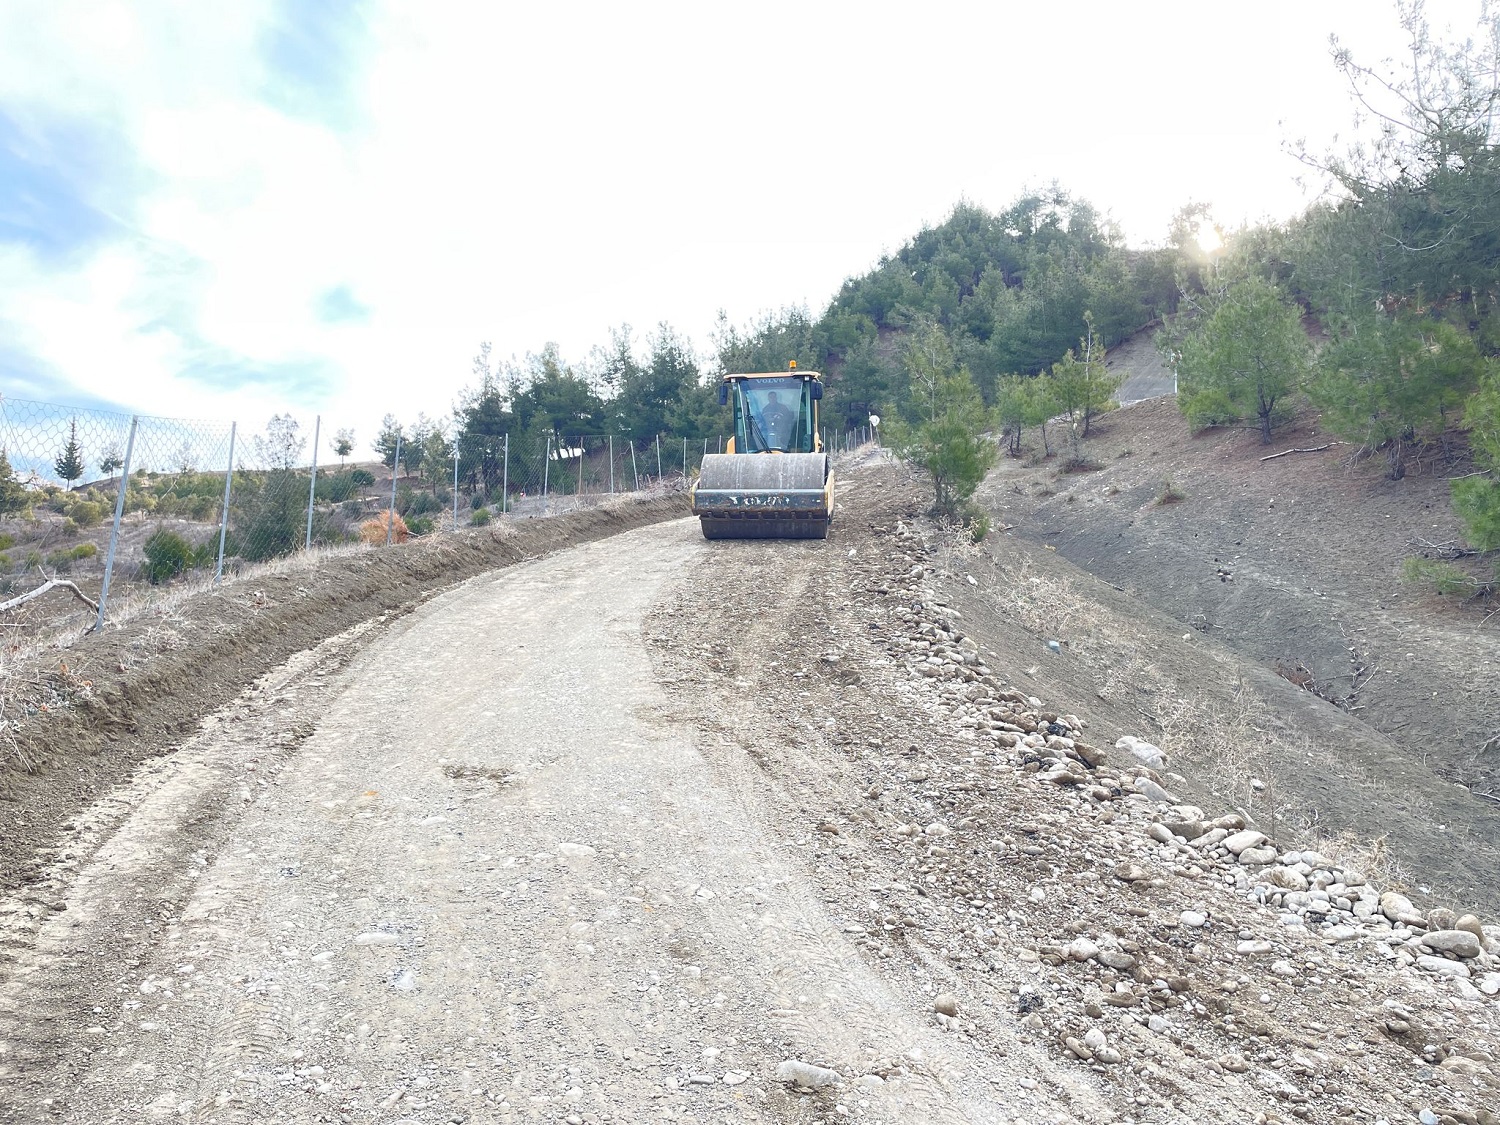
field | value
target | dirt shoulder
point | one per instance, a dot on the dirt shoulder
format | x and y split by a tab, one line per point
94	711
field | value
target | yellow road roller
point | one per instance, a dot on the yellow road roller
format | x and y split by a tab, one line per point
774	480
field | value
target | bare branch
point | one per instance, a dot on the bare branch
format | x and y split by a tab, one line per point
50	584
1310	449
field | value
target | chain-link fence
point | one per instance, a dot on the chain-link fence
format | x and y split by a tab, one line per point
90	497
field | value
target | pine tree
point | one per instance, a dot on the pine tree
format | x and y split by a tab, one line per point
69	463
13	497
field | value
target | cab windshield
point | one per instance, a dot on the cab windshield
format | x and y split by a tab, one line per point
772	415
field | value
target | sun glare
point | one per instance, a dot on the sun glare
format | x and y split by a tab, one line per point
1208	238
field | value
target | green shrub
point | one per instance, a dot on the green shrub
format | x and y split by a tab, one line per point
203	508
7	542
362	478
476	500
169	554
270	515
1170	493
1443	577
410	502
86	513
62	559
335	488
480	517
69	527
419	525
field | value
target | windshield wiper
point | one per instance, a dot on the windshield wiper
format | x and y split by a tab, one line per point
765	442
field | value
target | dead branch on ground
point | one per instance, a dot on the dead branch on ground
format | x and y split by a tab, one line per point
50	584
1449	550
1309	449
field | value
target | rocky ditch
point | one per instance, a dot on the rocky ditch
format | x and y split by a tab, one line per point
1186	936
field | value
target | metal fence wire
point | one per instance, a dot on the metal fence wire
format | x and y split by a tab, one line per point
95	497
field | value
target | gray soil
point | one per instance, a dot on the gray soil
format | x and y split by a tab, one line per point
1367	705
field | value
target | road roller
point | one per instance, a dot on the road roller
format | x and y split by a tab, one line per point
773	481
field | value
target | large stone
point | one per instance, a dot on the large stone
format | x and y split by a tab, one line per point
1249	838
1471	924
1187	829
1441	966
1153	792
1258	857
1441	918
1397	907
1080	949
805	1074
1461	943
1286	878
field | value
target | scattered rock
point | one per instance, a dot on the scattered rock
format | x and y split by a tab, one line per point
1240	841
806	1074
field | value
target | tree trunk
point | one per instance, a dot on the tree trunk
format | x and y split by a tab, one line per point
1265	427
1395	458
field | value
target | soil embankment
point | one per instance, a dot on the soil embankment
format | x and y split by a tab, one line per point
1269	594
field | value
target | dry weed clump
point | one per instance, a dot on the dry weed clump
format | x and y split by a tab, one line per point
1049	606
374	531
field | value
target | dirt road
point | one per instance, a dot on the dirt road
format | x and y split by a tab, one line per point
485	873
618	834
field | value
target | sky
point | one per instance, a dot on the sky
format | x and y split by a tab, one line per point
322	207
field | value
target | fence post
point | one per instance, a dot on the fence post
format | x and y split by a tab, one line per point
633	470
658	456
455	486
611	464
579	490
224	516
114	533
312	485
390	522
505	478
684	458
546	466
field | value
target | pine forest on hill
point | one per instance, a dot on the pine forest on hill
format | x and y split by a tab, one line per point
1378	306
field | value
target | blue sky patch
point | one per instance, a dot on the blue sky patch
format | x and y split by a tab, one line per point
292	382
312	55
50	178
341	306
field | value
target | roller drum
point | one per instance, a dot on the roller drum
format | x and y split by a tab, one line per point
764	496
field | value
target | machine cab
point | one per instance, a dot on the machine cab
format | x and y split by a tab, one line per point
774	411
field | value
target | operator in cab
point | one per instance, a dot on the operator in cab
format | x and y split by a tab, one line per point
778	420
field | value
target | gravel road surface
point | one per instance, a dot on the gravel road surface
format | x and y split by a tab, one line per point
477	869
